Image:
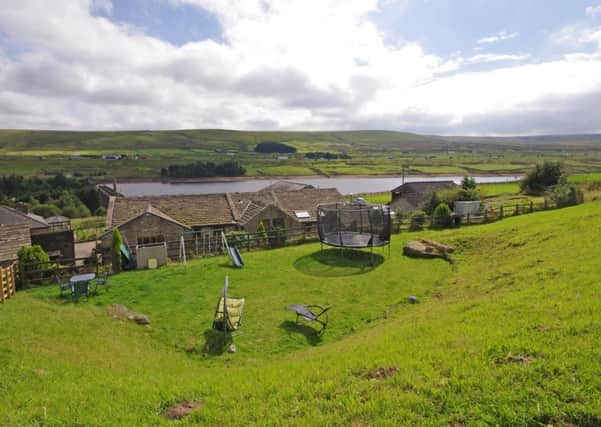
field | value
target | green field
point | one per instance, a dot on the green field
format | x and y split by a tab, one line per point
508	335
372	153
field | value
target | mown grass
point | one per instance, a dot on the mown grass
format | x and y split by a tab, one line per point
498	189
507	335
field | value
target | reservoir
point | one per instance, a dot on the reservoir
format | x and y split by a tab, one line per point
345	185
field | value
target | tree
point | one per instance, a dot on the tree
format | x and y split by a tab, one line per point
543	177
442	216
432	200
468	183
261	232
116	250
32	258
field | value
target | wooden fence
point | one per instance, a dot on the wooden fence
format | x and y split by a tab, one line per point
7	282
45	272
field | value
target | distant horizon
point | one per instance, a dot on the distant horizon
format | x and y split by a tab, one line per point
541	135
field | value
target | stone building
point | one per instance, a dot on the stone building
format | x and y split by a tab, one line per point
412	195
145	220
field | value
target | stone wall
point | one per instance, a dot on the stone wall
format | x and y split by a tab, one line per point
12	238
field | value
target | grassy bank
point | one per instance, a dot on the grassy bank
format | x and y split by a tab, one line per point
507	335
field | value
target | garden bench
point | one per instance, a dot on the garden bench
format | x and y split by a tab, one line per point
311	313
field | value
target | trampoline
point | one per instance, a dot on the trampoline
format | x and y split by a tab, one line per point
353	225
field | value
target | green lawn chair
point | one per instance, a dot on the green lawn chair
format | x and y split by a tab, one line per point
101	280
228	315
80	289
62	284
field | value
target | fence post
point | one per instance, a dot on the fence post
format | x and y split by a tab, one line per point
531	206
2	285
468	218
485	215
517	209
546	205
501	212
247	242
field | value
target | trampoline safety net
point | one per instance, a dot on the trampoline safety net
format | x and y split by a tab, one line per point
351	225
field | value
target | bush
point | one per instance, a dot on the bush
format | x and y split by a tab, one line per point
432	200
101	211
468	183
566	195
116	250
442	216
418	219
29	258
543	177
46	210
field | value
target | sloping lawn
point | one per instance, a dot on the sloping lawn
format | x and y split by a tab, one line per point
508	335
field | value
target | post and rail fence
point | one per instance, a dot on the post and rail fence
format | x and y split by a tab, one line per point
7	282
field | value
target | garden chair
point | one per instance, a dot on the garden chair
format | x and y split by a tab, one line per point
101	280
311	313
228	315
80	289
62	284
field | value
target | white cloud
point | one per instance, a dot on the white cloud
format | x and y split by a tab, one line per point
500	36
593	11
496	57
281	65
577	35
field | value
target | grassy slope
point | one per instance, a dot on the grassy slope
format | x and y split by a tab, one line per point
524	286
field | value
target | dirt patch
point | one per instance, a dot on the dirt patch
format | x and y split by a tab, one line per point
515	358
181	410
381	373
121	312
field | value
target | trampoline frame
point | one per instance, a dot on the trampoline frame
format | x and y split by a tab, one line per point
375	239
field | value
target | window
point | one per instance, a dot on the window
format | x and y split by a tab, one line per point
302	214
150	239
277	222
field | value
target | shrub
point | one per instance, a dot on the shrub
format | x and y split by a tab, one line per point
566	195
442	216
116	250
29	258
101	211
432	200
468	183
418	219
261	233
543	177
46	210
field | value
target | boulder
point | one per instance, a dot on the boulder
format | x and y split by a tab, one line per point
427	249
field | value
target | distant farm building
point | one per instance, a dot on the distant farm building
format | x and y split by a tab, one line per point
411	195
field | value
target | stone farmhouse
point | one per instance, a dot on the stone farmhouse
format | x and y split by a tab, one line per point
411	195
155	219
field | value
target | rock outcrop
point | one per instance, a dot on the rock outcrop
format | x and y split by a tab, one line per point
427	249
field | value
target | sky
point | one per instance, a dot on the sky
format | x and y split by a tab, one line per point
451	67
